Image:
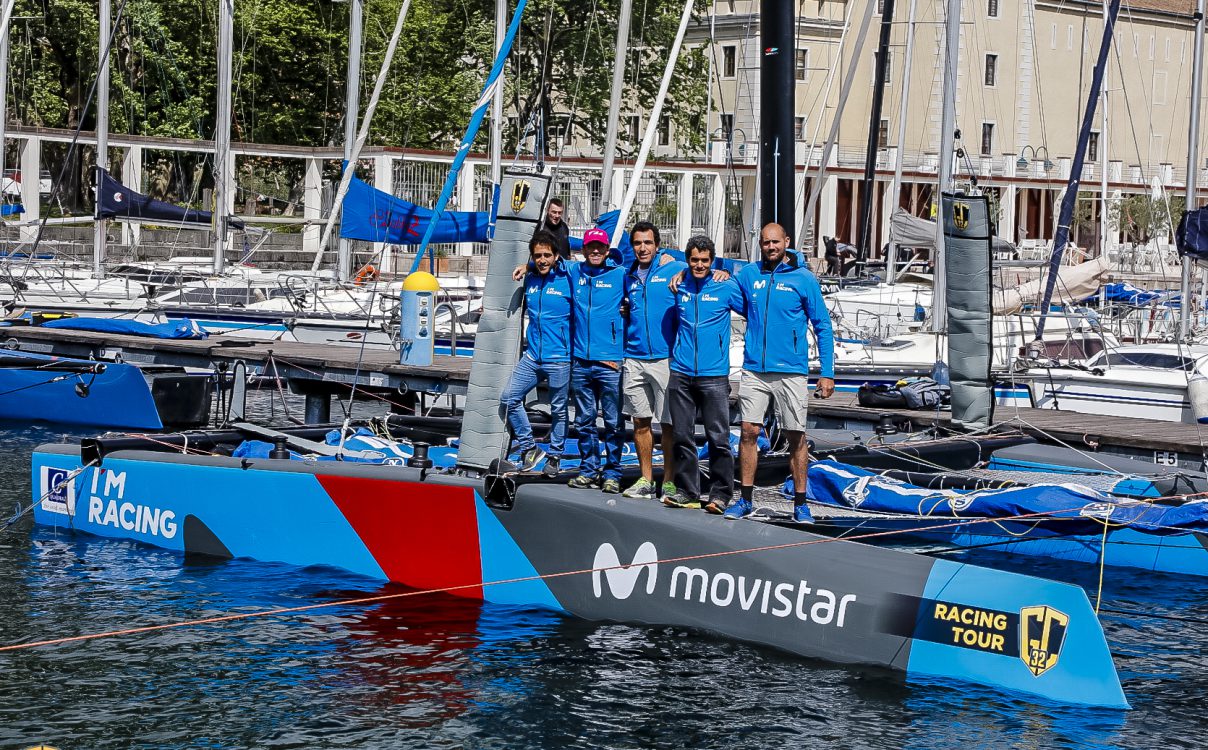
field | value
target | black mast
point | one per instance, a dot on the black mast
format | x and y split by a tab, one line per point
874	133
777	89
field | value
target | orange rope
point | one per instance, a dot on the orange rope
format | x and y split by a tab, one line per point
483	584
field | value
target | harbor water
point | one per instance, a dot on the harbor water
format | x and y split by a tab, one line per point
437	671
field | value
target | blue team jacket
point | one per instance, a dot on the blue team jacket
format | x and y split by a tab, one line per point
702	338
778	305
548	300
598	331
650	328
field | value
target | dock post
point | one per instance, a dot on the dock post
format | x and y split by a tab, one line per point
318	408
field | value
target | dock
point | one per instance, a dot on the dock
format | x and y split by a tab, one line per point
318	372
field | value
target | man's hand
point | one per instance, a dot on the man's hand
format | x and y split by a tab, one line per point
676	280
720	275
825	388
666	259
518	274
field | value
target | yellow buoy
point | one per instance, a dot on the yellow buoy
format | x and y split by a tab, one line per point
421	281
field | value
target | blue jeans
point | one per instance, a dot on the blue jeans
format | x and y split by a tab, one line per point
597	389
524	379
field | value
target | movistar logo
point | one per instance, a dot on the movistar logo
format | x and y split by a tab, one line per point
760	284
623	579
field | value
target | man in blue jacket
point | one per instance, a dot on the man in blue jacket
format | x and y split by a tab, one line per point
548	300
598	335
781	296
699	383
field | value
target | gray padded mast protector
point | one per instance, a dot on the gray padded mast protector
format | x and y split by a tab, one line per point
967	262
484	431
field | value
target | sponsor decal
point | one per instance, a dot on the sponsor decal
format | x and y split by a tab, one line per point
118	197
760	284
714	588
1042	632
520	194
960	215
57	490
1034	634
710	298
107	506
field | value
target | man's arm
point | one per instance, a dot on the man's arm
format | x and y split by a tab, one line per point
820	321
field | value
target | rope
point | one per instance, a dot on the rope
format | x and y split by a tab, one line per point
478	585
25	511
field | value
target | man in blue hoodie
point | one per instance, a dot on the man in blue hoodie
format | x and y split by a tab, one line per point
781	297
700	384
598	335
547	301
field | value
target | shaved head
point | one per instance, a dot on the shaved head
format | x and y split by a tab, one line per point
772	243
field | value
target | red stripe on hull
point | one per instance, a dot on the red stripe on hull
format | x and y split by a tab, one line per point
422	535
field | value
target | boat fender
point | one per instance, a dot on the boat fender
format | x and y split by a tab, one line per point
1197	394
367	273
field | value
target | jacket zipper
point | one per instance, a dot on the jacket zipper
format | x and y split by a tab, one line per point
696	326
540	320
767	303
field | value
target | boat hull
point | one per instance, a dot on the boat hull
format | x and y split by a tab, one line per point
602	558
119	397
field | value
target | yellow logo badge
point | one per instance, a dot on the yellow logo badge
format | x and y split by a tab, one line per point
1042	631
960	215
520	194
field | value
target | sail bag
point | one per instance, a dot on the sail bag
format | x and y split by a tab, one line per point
967	262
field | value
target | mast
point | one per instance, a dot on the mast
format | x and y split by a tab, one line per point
223	178
5	16
1104	224
614	105
102	133
952	37
639	164
1071	190
1193	158
863	252
352	104
895	189
777	98
501	14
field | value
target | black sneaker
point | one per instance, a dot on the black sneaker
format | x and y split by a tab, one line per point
679	500
530	458
553	464
584	482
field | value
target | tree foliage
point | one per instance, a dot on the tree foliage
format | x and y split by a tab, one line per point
290	68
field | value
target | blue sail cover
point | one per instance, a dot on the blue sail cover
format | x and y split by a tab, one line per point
374	216
1192	235
11	209
1128	294
1076	510
177	329
116	201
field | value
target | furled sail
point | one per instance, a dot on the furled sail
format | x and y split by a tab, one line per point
116	201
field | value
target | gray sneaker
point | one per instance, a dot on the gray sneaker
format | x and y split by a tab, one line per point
643	489
679	500
611	487
530	458
553	464
584	482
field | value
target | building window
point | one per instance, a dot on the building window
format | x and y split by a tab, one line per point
992	8
635	128
987	142
1092	147
665	130
883	134
801	65
729	61
991	70
727	126
1053	36
880	7
799	128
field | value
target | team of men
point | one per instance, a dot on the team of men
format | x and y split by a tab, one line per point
658	333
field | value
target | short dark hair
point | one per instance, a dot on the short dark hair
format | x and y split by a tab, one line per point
701	242
646	226
543	237
556	202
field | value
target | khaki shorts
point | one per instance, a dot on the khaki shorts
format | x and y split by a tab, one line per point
789	392
644	385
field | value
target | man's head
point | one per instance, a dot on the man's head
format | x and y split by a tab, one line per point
700	252
595	246
645	240
554	210
542	252
772	243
